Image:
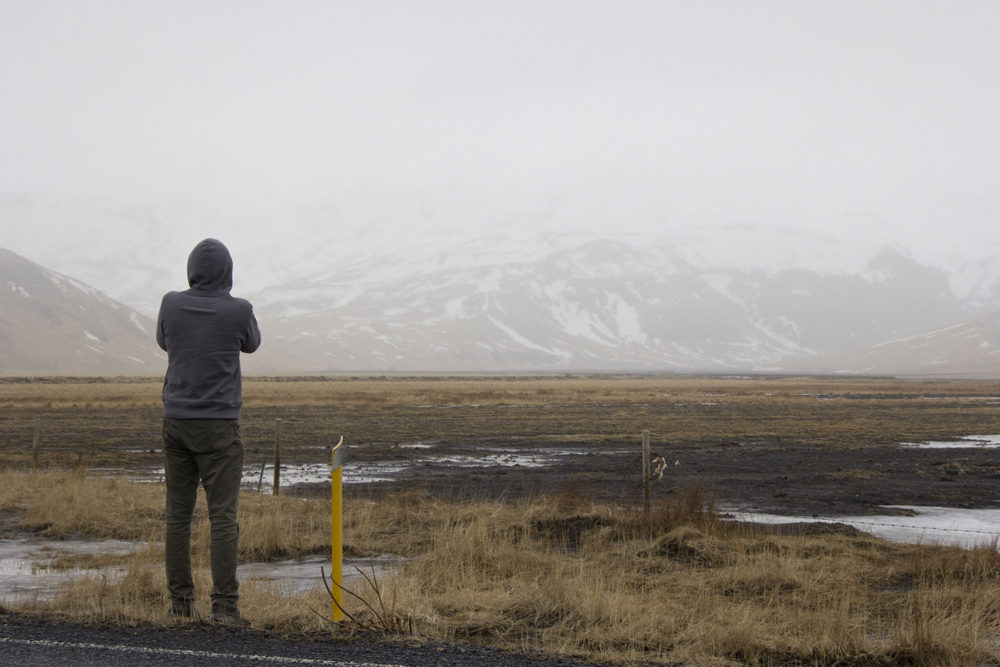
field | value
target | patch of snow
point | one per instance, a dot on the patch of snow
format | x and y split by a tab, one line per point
628	320
491	283
789	323
579	322
518	338
134	319
453	309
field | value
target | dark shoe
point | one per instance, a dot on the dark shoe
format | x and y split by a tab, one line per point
227	613
182	608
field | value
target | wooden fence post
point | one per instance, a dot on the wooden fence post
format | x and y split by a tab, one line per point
34	446
277	457
645	472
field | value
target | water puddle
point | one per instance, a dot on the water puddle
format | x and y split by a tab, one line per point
303	576
314	473
364	472
29	571
28	567
929	525
387	471
965	442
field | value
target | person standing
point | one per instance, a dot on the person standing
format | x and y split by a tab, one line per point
203	331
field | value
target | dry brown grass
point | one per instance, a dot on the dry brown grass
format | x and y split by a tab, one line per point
559	573
412	391
80	392
60	505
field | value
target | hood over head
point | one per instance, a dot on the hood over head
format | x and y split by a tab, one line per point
210	267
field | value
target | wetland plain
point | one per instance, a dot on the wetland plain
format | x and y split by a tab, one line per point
782	445
509	507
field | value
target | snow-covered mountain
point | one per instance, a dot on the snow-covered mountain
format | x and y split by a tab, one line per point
53	324
389	285
599	304
135	254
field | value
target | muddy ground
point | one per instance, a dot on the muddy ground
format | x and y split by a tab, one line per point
795	446
788	479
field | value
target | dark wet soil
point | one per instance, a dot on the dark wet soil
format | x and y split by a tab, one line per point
776	478
794	446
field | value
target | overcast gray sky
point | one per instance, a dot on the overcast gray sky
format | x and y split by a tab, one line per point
873	118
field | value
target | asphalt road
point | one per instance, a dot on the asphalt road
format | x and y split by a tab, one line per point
36	643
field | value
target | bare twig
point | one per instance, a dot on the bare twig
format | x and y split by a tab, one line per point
373	582
342	610
386	620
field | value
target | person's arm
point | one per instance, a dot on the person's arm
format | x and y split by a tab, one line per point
160	340
251	338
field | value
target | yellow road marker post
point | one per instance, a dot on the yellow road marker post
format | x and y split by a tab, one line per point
337	529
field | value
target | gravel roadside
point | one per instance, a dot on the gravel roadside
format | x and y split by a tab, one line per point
37	641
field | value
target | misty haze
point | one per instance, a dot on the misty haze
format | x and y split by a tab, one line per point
709	187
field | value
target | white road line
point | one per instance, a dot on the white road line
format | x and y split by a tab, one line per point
205	654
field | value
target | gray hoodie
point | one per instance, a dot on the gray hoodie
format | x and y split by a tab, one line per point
203	331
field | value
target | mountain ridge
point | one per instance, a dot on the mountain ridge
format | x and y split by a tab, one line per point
577	303
599	305
54	324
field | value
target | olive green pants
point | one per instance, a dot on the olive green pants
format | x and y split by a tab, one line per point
210	450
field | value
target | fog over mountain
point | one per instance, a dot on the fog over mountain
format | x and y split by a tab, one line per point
518	299
514	185
597	304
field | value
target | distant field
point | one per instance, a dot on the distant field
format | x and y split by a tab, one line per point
103	419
